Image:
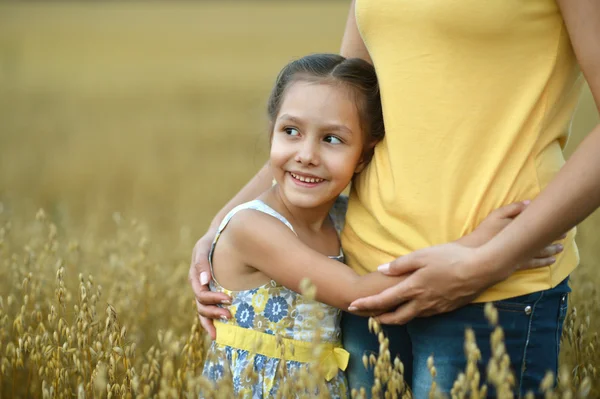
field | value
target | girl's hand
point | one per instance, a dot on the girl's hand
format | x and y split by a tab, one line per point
496	221
199	277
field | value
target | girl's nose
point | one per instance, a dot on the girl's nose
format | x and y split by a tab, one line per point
308	154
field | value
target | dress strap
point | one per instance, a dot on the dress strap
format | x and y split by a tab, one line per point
257	205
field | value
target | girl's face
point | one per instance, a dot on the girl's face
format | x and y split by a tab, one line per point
317	143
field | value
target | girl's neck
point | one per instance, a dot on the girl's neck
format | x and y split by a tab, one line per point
305	218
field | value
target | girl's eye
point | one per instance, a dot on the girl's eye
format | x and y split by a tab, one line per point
332	140
291	131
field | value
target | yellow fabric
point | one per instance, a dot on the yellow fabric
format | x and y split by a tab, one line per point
331	357
477	98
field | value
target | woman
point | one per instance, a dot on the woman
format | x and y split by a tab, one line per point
477	100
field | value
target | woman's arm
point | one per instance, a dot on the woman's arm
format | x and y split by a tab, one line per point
575	191
353	45
448	276
199	273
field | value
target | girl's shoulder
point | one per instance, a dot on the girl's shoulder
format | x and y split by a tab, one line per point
244	221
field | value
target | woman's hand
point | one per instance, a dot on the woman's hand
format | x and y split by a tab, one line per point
496	221
442	280
199	277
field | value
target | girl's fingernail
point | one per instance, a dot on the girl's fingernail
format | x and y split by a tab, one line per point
352	308
223	317
384	268
203	278
226	302
527	202
560	247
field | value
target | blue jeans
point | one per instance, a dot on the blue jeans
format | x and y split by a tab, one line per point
532	327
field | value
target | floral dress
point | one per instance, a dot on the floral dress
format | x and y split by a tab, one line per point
258	315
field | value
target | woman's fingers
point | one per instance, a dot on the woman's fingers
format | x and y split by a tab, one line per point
206	300
209	327
537	262
386	299
209	298
402	315
402	265
212	312
550	251
511	211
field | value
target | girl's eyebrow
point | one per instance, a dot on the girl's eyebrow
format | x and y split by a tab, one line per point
289	118
332	127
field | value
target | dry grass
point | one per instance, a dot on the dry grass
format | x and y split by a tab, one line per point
155	111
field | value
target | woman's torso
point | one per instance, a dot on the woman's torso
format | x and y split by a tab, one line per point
477	99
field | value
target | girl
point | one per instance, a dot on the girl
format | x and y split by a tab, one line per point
325	119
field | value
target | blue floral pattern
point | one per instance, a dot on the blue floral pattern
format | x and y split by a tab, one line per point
276	309
245	316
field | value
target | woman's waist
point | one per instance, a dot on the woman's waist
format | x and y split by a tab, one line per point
366	250
447	195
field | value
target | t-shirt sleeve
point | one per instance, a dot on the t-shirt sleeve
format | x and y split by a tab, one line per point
338	212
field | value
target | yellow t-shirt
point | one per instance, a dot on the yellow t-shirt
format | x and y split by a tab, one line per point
477	98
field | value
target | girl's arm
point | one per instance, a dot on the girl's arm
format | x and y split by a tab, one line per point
266	244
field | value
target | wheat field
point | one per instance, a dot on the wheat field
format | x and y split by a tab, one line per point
130	124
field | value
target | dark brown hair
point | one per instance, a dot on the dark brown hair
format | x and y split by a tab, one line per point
355	73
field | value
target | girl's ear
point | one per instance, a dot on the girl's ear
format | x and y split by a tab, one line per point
365	159
361	165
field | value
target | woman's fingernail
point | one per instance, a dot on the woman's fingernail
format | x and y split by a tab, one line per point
352	308
560	247
226	302
527	202
384	268
223	317
203	278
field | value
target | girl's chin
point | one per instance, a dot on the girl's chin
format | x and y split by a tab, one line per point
308	200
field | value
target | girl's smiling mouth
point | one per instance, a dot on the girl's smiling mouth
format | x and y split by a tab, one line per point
306	180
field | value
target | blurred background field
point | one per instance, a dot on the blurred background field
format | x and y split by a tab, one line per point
157	111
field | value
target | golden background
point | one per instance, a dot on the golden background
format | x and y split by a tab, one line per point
157	111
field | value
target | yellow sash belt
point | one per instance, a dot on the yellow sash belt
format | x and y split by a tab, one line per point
332	357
